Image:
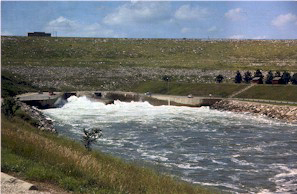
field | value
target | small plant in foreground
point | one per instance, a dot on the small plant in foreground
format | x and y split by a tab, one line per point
90	136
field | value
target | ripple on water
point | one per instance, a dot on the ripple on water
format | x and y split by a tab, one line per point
234	152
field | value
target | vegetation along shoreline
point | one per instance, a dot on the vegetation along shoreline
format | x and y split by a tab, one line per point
188	68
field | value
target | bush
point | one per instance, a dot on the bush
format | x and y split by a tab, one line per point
23	115
9	107
91	136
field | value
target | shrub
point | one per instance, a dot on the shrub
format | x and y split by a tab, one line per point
23	115
91	136
9	107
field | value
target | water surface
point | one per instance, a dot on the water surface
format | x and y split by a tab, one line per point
233	152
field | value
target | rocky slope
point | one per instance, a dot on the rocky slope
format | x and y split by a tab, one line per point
90	78
43	123
287	113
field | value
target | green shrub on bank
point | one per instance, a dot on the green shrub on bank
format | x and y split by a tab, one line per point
9	107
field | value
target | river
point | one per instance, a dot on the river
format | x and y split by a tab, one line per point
234	152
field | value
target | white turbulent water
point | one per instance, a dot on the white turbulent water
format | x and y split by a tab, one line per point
233	152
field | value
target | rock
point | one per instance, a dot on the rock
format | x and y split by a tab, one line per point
10	184
44	124
287	113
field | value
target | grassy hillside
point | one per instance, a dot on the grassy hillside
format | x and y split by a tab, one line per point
12	85
38	156
102	53
271	92
183	89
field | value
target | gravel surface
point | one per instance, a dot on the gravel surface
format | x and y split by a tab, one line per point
112	78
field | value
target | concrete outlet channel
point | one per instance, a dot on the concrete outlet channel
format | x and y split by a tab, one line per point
44	100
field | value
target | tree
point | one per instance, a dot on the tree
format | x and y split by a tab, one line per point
238	78
258	73
219	78
91	136
269	78
286	77
294	79
247	77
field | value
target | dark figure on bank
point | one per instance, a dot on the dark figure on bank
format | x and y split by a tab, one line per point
247	77
238	78
269	78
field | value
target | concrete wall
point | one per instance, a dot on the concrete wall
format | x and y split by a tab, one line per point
48	101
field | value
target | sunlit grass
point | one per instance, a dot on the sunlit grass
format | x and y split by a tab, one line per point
106	53
271	92
184	89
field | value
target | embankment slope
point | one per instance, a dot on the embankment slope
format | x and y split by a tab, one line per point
286	113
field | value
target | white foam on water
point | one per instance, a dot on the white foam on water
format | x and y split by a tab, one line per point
234	178
242	162
265	191
286	180
145	112
193	137
189	166
227	185
158	158
218	162
193	157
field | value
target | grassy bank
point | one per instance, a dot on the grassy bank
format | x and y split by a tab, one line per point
271	92
12	85
183	89
106	53
38	156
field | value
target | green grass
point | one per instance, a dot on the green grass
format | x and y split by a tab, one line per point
39	156
12	85
161	87
271	92
106	53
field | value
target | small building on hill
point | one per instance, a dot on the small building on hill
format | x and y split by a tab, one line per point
257	80
277	80
39	34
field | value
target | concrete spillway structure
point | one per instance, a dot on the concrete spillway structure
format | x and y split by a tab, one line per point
157	99
41	100
56	99
187	101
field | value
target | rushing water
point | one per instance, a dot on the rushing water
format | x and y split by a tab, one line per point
233	152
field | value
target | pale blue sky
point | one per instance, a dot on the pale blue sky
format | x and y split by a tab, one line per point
170	19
